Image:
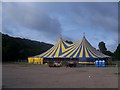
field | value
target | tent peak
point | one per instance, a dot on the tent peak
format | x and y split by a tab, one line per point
60	36
83	34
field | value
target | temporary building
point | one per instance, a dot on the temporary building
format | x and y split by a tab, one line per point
81	50
33	60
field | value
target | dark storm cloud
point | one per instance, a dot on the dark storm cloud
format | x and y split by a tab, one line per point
87	17
96	15
27	15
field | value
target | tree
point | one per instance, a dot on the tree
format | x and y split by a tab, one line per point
109	53
70	42
117	52
102	46
104	50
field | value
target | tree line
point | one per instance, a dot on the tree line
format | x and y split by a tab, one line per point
16	48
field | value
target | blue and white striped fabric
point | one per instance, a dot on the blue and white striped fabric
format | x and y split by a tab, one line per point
81	49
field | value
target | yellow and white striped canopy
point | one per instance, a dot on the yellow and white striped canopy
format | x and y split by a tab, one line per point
80	49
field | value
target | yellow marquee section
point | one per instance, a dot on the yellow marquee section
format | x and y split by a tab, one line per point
59	48
76	52
63	48
81	49
81	53
91	54
67	44
30	60
35	60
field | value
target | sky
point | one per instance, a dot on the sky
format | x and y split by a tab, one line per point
47	21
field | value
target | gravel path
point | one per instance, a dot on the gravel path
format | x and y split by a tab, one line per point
42	76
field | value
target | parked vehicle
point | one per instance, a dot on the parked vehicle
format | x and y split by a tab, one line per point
55	64
71	64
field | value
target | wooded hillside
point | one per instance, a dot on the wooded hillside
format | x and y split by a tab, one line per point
17	48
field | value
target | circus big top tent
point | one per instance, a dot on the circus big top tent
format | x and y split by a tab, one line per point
81	50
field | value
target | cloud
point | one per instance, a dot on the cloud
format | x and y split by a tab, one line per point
95	15
48	20
16	15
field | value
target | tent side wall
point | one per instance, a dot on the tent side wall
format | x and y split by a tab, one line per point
33	60
30	60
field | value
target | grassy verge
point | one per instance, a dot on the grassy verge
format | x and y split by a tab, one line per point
117	63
